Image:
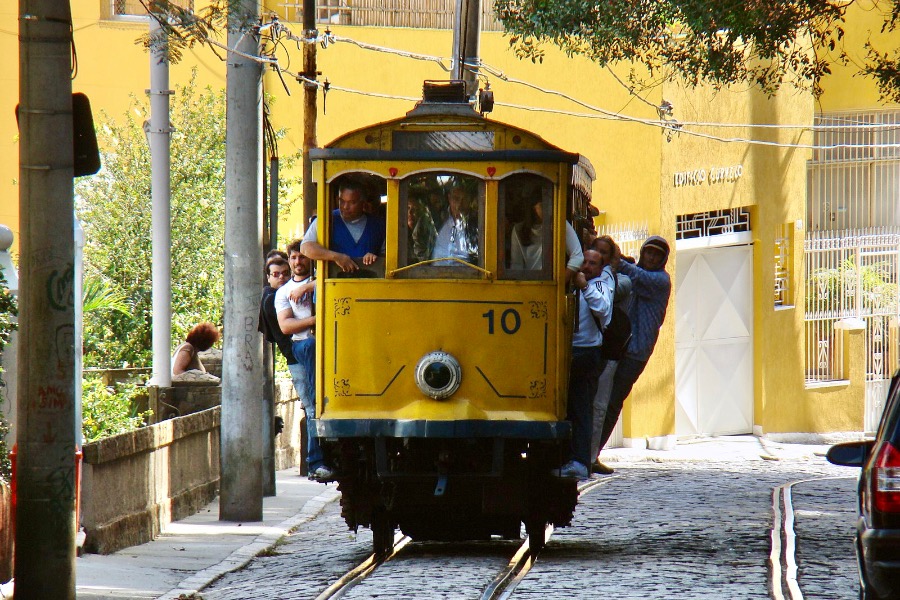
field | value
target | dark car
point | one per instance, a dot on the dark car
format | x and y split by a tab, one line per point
878	526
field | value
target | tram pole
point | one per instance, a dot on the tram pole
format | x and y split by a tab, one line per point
45	480
309	107
466	41
242	357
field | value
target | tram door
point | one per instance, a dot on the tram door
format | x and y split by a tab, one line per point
713	341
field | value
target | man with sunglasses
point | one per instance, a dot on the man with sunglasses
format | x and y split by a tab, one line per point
294	311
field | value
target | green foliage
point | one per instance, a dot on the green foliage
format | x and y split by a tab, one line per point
832	290
99	296
717	42
114	208
8	312
108	411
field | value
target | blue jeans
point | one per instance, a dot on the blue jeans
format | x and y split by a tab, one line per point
601	402
303	375
627	373
583	375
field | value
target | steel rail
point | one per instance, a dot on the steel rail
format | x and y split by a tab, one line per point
363	570
506	581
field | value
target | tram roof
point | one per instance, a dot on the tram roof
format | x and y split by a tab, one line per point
447	132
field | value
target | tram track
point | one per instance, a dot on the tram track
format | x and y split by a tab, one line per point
501	586
783	542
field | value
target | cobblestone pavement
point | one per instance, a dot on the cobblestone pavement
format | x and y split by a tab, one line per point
652	531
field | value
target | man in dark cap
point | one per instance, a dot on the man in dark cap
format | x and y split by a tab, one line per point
650	290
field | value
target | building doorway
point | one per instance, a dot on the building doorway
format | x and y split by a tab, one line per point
713	338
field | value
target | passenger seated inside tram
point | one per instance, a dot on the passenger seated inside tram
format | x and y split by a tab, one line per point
457	235
421	233
354	234
527	236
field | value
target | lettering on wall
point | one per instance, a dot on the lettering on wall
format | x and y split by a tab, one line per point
711	176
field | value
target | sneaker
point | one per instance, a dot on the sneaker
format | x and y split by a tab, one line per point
573	470
601	469
322	474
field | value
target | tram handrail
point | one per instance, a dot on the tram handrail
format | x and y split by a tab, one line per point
394	272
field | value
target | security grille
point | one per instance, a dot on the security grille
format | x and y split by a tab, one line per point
421	14
713	222
853	274
629	236
853	181
134	8
784	244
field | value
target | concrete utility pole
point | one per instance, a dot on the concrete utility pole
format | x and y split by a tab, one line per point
45	517
159	137
466	39
309	108
242	359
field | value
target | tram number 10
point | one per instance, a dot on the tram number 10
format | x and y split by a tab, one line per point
510	321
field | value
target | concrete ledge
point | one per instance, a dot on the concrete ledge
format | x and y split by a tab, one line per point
815	438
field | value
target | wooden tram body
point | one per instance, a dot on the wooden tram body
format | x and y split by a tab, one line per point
441	385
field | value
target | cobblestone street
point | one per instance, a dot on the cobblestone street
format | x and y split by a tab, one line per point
666	530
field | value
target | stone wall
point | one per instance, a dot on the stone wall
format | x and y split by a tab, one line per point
135	483
290	449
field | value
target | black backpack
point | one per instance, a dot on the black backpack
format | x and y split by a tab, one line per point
617	334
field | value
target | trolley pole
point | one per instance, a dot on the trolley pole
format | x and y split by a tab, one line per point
309	108
45	516
242	357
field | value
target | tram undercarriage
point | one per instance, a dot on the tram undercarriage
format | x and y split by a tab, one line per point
451	489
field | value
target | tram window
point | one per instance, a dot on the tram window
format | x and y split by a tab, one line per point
526	227
444	220
373	191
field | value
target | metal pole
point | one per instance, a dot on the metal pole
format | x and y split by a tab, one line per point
242	360
45	516
161	224
466	40
309	108
471	50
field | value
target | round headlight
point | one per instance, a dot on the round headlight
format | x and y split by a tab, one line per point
438	375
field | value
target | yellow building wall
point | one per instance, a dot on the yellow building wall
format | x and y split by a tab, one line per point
111	68
844	89
773	186
635	163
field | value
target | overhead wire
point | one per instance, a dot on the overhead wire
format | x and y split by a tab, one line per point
674	126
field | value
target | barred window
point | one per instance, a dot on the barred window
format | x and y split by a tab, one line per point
784	264
133	9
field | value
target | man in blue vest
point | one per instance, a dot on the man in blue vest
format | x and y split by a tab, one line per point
355	235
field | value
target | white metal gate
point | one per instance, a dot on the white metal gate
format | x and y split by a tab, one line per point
853	273
714	341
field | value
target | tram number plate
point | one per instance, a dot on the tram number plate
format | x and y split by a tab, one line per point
510	321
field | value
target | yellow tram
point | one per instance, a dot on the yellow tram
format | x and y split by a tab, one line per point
442	367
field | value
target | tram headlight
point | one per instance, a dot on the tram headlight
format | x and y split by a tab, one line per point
438	375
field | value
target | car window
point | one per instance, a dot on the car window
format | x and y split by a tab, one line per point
889	427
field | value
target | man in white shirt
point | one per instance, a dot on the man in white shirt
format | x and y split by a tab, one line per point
294	307
594	293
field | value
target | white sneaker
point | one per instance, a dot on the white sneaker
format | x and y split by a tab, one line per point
573	470
322	474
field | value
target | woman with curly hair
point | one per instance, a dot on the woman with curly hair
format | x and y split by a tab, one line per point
199	339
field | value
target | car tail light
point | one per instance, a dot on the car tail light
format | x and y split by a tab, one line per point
886	479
